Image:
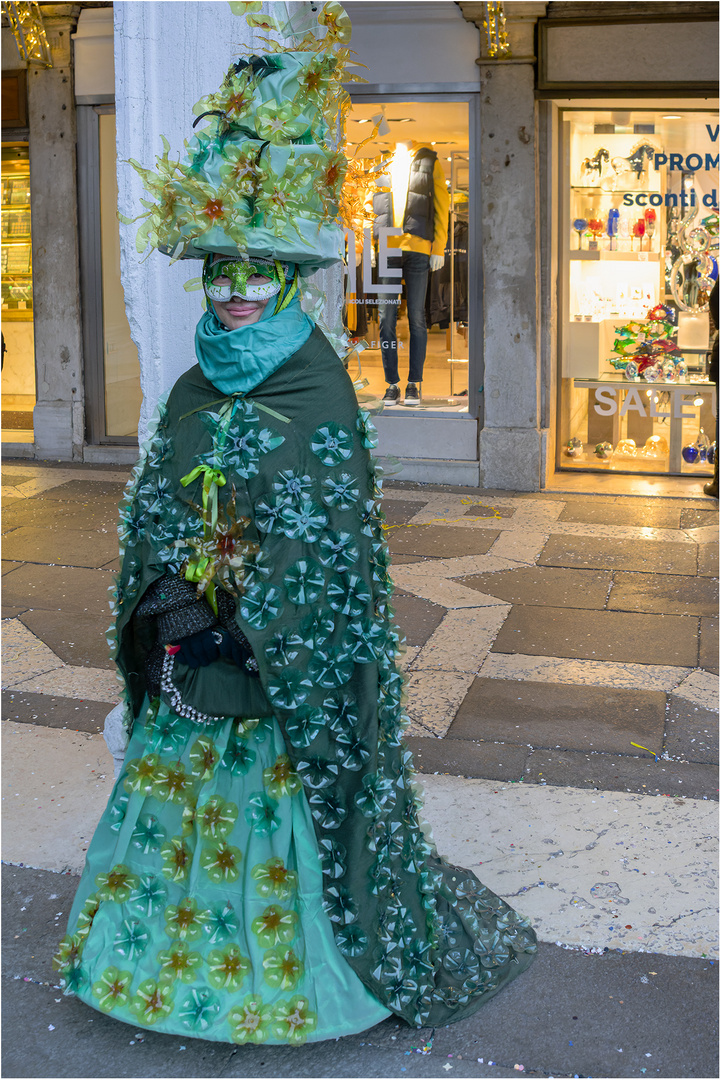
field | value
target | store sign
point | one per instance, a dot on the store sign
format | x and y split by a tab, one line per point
647	405
383	270
690	163
655	198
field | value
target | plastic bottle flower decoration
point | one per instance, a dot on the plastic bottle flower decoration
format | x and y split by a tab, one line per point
265	168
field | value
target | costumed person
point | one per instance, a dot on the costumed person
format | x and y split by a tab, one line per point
261	873
415	199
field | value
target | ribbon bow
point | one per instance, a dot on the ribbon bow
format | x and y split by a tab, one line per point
212	480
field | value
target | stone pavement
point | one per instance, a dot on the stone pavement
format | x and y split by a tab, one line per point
563	663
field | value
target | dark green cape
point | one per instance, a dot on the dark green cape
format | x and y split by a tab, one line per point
428	939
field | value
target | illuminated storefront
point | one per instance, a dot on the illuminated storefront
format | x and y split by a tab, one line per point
639	250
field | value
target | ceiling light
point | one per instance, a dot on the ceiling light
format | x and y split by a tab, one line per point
672	116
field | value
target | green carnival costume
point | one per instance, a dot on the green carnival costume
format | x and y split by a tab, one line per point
261	873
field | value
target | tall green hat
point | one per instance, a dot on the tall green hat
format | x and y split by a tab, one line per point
264	173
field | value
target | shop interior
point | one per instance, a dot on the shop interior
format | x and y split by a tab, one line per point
18	351
638	256
442	126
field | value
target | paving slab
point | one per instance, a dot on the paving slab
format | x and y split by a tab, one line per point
417	618
523	546
401	560
13	479
24	655
700	688
440	541
609	1015
55	712
616	772
552	716
668	594
553	849
607	553
77	639
559	669
692	732
601	635
12	611
489	510
58	545
400	511
70	589
708	559
434	698
433	580
694	519
68	680
657	514
706	534
84	490
459	757
462	641
708	658
54	794
8	566
93	514
545	585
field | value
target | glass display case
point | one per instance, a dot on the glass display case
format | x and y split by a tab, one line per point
18	382
17	278
638	255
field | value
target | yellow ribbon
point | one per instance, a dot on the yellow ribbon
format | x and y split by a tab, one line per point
655	755
212	480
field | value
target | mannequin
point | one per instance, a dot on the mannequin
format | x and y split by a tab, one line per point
417	202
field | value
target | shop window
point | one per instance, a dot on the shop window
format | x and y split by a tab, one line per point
408	313
121	366
112	368
639	256
18	360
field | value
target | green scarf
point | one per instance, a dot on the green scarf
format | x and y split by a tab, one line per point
236	361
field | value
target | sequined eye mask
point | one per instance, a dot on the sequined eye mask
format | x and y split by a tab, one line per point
239	272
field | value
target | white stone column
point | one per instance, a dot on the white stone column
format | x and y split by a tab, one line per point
512	441
167	55
58	416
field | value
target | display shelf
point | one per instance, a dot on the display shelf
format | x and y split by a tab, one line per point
17	251
623	384
611	191
601	255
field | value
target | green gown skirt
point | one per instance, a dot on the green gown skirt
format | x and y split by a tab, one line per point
200	909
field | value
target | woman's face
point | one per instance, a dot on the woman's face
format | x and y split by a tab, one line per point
238	312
